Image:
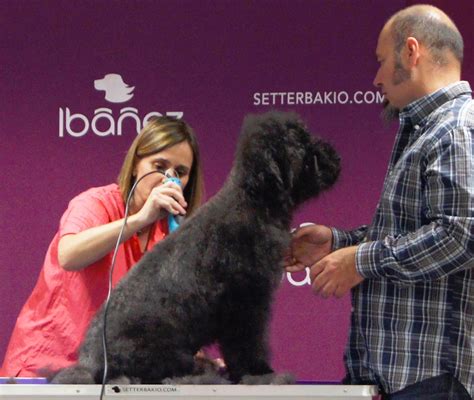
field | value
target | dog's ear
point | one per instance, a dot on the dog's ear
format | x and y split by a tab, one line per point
261	162
321	167
327	163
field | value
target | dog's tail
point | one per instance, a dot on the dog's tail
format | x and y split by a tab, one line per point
76	374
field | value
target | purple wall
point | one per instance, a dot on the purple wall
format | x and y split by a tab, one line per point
210	60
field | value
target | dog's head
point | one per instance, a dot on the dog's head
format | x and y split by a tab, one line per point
280	164
116	90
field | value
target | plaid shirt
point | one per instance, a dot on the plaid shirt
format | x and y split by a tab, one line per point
413	314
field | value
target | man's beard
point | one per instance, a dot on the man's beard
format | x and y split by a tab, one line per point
389	113
400	75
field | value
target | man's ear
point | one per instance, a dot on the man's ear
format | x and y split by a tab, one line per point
412	50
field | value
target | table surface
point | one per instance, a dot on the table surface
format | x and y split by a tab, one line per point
188	392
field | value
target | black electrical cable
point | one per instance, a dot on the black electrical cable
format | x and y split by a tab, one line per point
112	266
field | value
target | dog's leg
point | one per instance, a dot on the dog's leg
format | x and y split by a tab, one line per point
167	365
244	343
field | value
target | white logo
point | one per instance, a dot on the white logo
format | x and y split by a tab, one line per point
105	121
116	90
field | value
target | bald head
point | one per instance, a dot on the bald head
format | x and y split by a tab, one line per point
432	28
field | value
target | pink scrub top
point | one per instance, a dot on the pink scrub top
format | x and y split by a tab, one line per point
55	318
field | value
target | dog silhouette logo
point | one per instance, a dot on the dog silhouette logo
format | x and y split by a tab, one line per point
116	90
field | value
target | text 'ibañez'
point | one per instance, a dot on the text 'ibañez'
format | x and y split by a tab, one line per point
104	123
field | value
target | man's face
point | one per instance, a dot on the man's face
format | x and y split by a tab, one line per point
392	77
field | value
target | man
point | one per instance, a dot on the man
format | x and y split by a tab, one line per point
411	271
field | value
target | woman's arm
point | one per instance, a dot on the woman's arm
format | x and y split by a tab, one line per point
79	250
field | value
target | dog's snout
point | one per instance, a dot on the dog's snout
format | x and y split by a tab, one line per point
98	84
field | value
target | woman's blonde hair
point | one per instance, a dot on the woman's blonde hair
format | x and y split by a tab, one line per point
158	134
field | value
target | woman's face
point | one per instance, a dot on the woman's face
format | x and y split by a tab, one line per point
177	158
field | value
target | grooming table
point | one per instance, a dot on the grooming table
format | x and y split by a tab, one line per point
187	392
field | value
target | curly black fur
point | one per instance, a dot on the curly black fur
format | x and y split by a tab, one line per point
213	279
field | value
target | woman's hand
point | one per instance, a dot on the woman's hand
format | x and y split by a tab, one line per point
163	199
203	362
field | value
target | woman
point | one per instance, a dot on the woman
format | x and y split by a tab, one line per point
73	282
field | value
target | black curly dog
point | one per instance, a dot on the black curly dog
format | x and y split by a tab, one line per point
213	279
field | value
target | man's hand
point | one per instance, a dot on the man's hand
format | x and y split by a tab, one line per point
336	274
308	245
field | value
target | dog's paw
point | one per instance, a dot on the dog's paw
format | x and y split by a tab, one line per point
268	379
73	375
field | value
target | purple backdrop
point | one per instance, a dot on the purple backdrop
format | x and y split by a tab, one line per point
213	61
